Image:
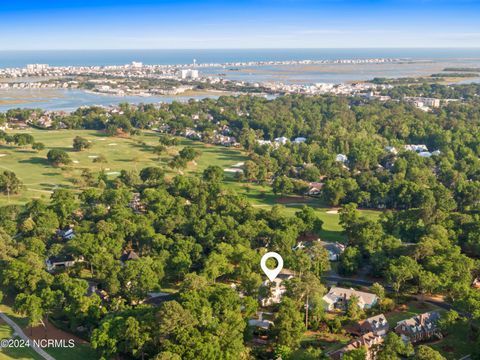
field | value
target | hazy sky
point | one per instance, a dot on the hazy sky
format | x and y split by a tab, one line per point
144	24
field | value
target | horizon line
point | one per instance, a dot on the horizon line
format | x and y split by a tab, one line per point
255	48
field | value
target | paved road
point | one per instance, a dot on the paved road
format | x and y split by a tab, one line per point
19	332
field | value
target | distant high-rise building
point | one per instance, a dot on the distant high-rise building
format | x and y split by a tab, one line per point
37	67
136	64
189	74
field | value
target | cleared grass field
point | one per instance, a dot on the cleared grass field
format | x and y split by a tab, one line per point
40	178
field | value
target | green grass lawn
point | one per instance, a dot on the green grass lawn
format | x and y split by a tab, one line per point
134	153
326	341
262	197
456	343
14	353
23	353
413	308
79	352
20	320
5	331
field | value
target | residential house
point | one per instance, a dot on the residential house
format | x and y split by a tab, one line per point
299	140
369	341
337	298
66	235
281	140
136	204
62	261
375	324
277	288
425	154
93	289
423	102
420	327
416	147
158	298
334	249
341	158
128	255
260	322
314	188
391	149
263	142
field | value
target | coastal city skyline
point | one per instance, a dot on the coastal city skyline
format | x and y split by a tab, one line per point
187	24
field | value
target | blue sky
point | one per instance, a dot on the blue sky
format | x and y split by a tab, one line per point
149	24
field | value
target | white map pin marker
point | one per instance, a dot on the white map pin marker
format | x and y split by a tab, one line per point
271	274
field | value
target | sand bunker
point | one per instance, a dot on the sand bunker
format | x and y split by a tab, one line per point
93	156
112	144
332	211
235	168
2	155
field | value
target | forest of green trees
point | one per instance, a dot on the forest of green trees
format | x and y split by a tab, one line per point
195	234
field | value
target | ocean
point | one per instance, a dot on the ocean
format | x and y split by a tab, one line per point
121	57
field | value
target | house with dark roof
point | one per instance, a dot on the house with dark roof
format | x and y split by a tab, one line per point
334	249
420	327
369	341
314	188
375	324
62	261
66	234
128	255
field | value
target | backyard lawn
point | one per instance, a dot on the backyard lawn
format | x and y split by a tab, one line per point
457	343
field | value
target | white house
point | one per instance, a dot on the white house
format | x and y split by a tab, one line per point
277	288
341	158
264	142
416	147
337	298
391	149
54	262
281	140
299	140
